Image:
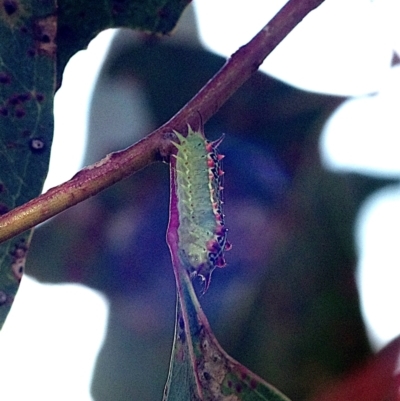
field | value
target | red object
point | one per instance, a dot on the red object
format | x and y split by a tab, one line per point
377	380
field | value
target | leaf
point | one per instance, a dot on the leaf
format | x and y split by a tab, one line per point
27	70
181	382
37	39
200	369
81	20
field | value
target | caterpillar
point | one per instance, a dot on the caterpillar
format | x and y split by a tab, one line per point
201	231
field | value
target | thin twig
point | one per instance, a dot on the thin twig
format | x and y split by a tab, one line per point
156	146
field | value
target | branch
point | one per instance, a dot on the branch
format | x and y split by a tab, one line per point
156	146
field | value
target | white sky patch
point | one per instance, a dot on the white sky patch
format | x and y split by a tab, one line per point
50	341
343	47
71	107
363	135
378	233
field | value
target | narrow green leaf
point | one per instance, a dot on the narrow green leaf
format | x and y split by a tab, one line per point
200	369
182	381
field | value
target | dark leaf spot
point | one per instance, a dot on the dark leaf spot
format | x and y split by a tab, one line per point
253	384
18	254
2	187
45	39
18	269
31	52
19	250
3	208
182	337
181	334
3	111
25	133
14	100
4	78
10	6
19	113
25	97
3	298
45	31
39	97
37	145
238	388
207	376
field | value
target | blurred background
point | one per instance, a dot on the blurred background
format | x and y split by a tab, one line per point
312	203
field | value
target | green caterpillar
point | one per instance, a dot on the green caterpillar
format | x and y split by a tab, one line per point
201	231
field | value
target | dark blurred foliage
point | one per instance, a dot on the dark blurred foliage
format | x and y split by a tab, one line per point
286	306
